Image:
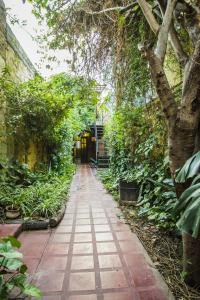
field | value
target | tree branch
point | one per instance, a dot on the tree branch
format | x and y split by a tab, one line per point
174	39
176	45
164	30
161	84
191	74
147	11
120	9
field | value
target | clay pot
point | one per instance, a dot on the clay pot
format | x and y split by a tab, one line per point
12	212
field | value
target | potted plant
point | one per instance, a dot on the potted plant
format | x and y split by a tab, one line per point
12	211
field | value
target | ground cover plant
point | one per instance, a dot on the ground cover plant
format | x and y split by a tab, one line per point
39	195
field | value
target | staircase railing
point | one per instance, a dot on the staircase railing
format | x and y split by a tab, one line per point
97	141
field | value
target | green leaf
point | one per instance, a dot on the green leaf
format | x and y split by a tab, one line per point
1	281
14	242
189	207
11	264
11	254
31	290
189	169
23	269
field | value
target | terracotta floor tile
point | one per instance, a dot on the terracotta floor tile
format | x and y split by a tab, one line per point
61	238
102	228
83	237
107	247
98	210
83	228
135	260
64	229
124	235
83	216
119	296
54	297
83	297
66	222
113	279
34	237
82	262
154	294
114	220
50	281
57	249
68	216
142	276
98	215
32	250
83	222
120	227
106	236
82	281
10	229
65	271
99	221
83	211
83	248
53	263
32	264
109	261
129	246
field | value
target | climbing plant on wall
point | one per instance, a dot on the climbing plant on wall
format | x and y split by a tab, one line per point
49	112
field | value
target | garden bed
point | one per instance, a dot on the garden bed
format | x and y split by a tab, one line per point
39	198
164	246
38	224
165	250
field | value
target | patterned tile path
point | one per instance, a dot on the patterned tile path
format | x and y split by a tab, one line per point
92	254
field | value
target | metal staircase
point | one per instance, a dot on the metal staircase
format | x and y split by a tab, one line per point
101	149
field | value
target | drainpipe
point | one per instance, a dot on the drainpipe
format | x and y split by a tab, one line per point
97	142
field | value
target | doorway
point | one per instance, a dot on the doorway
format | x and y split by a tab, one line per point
85	148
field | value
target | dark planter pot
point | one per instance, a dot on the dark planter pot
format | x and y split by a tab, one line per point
129	191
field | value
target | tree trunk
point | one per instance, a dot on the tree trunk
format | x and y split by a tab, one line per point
181	147
191	259
183	124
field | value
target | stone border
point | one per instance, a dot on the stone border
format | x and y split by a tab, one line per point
39	224
53	222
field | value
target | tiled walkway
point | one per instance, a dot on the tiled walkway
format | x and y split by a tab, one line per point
92	255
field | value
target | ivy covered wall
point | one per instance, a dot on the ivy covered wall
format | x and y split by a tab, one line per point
13	57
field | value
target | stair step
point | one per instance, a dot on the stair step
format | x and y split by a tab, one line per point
103	161
103	166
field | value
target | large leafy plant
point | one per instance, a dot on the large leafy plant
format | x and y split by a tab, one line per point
13	277
188	205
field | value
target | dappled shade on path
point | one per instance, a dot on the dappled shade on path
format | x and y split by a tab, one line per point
92	254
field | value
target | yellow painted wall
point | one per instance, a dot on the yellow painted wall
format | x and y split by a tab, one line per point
32	155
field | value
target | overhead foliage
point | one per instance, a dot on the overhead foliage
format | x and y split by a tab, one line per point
50	112
100	41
